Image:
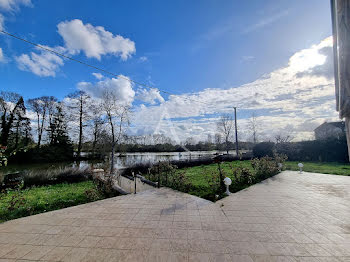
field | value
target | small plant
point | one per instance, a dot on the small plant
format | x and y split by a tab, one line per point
93	194
16	201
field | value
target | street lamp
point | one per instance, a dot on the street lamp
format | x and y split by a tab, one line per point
280	165
300	165
227	182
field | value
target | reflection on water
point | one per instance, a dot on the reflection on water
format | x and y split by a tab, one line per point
127	160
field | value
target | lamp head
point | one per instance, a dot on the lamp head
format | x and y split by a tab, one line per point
227	181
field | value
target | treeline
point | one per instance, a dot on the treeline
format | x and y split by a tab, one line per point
47	129
168	147
16	134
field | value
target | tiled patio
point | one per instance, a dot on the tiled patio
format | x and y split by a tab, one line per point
291	217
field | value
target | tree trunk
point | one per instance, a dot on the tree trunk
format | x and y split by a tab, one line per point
80	127
94	144
227	146
112	158
17	135
113	144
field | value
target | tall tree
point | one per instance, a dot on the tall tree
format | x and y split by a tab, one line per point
253	126
58	127
225	126
79	104
42	106
117	117
96	122
51	103
11	106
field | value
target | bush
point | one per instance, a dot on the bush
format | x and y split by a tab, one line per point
55	176
266	167
243	177
264	149
46	153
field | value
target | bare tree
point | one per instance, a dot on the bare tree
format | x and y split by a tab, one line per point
283	139
217	139
225	126
96	121
253	125
79	104
117	118
51	103
11	107
40	107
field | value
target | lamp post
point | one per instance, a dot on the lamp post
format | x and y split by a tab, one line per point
227	182
300	165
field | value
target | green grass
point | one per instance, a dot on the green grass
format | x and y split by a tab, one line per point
199	176
318	167
15	204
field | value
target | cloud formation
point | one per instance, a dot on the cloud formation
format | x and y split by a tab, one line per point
120	87
266	21
78	37
150	96
297	94
94	41
2	58
40	63
97	75
13	5
2	22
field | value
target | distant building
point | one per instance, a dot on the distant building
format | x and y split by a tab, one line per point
330	130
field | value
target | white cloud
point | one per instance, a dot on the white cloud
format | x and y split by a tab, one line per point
2	22
292	95
150	96
97	75
94	41
41	63
266	21
2	57
13	5
143	58
121	87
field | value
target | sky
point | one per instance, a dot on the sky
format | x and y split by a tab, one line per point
269	58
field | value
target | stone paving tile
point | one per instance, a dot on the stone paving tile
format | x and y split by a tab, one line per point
290	217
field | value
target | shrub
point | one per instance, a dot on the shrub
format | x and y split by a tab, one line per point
326	150
265	167
55	176
264	149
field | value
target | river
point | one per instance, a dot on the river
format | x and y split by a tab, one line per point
127	160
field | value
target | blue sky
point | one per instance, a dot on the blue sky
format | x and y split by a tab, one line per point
183	47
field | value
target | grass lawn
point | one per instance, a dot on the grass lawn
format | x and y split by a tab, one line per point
199	176
15	204
317	167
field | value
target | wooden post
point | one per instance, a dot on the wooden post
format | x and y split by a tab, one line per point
341	46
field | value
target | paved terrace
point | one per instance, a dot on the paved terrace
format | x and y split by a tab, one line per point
291	217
